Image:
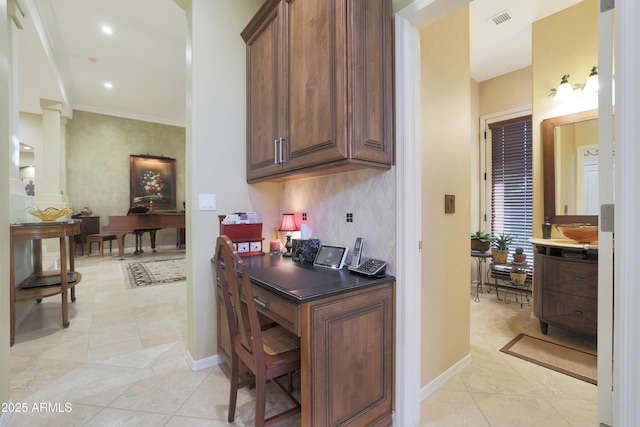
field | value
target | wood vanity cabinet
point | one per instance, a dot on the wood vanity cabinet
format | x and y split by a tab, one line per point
319	88
565	288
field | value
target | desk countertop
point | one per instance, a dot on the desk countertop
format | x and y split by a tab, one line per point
301	282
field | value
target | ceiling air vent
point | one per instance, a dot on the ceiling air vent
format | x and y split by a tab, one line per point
500	18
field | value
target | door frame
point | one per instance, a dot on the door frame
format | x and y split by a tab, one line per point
626	372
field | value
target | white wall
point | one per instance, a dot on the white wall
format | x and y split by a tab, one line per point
216	151
5	106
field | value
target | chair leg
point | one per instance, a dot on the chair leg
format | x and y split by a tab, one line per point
261	398
233	393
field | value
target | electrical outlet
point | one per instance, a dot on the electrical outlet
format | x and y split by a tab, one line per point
349	217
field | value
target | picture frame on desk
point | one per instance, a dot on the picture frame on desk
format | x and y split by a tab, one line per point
153	182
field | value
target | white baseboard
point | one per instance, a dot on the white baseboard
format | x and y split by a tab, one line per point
442	379
207	362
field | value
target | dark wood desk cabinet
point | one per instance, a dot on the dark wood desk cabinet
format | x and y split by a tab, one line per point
88	225
565	287
345	325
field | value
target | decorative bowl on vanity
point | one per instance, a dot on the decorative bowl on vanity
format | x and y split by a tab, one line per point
582	233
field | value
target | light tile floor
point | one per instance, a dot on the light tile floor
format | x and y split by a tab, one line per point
122	362
502	390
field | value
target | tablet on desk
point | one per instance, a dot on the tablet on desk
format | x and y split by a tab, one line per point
332	256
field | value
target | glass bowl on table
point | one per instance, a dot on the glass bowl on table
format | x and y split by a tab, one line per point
49	214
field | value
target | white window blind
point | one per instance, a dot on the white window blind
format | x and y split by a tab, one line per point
512	181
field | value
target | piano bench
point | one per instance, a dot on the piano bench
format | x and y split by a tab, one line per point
100	239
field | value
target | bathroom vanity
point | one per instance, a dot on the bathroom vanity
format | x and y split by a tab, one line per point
565	285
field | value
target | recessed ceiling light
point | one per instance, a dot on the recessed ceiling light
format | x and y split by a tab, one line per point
108	85
107	29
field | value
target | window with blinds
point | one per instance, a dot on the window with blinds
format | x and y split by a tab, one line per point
512	182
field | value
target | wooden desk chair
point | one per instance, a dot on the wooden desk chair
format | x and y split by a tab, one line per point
265	352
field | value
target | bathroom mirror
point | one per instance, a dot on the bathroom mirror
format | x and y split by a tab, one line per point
569	152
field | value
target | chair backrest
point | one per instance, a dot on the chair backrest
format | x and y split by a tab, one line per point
242	316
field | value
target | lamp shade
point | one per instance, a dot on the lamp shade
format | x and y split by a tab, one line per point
565	90
591	86
288	223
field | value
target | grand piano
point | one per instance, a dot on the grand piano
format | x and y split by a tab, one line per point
136	223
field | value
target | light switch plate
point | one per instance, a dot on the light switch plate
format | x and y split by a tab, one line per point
243	247
449	203
207	202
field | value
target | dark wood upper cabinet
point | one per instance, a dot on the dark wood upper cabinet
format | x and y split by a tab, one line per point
319	88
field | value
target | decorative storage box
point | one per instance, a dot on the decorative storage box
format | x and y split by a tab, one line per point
247	238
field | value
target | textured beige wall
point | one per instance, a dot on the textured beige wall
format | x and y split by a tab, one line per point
98	149
563	43
446	159
505	92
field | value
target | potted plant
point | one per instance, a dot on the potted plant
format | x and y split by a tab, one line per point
519	256
481	241
501	248
518	275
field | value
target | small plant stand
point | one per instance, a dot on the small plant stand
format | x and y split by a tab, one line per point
500	279
481	263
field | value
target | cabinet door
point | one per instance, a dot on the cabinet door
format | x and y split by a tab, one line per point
315	109
350	351
371	81
263	96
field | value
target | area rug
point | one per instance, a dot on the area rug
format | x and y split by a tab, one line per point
149	273
569	361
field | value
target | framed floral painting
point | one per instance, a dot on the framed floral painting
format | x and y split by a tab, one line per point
153	182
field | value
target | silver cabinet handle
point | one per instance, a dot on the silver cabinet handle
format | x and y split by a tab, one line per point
282	160
260	303
275	151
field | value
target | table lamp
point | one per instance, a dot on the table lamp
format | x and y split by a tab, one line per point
288	224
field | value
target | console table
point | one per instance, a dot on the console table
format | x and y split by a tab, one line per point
42	284
345	325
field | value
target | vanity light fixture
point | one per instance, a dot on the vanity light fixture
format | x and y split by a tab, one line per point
591	86
288	224
565	90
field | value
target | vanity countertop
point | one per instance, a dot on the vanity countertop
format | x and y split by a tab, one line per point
563	243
